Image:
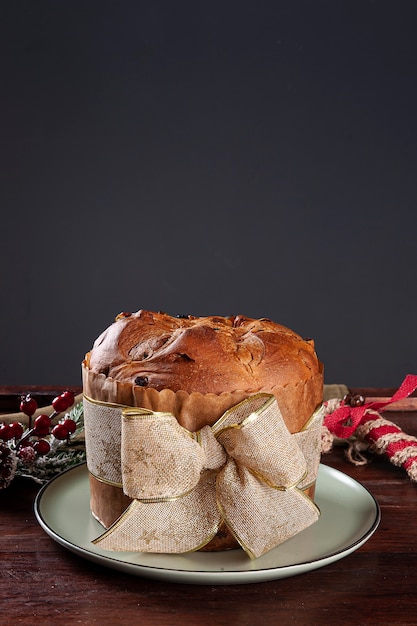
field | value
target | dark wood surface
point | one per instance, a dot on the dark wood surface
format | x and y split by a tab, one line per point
42	581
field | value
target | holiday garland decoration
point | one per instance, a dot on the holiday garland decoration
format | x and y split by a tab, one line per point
364	428
44	448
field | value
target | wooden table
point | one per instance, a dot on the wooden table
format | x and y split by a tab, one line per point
377	584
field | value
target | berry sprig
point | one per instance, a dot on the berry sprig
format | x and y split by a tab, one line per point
28	406
32	443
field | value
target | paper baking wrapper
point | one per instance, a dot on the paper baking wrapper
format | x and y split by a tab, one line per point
297	402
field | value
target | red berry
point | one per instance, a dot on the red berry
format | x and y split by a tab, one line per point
60	403
70	425
69	395
60	431
28	405
42	425
41	447
17	429
6	432
27	454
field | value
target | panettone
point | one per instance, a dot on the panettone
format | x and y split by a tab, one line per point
197	368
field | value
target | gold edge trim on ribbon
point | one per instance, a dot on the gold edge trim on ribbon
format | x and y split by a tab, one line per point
309	485
217	428
114	526
312	418
106	481
269	483
165	498
310	500
213	533
112	483
252	417
132	413
113	405
242	544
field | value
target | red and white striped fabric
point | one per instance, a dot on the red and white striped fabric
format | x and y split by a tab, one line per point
362	426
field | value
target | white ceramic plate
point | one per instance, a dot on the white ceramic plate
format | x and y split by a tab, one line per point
349	516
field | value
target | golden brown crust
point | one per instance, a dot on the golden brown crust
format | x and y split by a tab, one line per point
201	354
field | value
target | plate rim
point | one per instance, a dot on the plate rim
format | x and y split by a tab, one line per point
217	576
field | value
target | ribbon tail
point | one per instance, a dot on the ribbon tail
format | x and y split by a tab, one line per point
260	516
309	441
183	524
407	387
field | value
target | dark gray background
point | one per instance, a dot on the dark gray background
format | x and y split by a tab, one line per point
209	158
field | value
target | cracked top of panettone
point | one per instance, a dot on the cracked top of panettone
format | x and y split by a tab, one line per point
201	354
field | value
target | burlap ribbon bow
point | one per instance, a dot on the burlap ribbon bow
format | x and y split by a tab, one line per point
246	469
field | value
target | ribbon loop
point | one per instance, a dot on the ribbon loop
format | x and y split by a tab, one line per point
259	441
181	525
159	457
